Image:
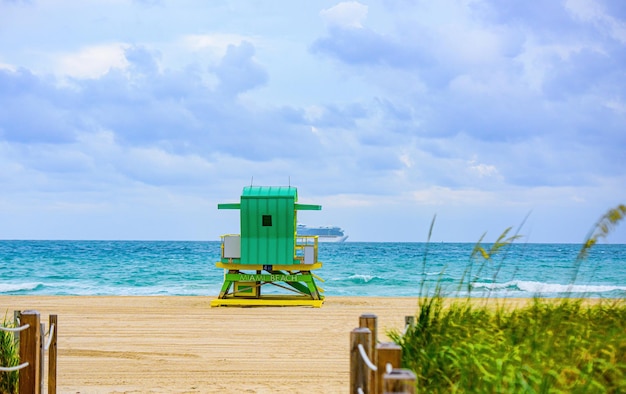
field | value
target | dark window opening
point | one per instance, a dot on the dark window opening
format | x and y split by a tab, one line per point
267	220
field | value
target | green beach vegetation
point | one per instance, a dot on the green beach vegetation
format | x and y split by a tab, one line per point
9	357
548	346
562	345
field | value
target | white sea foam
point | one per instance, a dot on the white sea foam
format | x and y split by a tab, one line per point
547	288
364	277
433	273
14	287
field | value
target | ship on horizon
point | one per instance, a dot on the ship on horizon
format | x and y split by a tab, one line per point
324	233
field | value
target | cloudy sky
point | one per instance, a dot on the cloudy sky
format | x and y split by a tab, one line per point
124	119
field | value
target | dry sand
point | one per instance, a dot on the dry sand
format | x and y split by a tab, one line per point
182	345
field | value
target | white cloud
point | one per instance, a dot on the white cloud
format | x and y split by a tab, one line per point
405	158
8	67
584	9
215	42
388	113
483	170
441	196
92	61
342	200
592	11
616	105
349	14
157	167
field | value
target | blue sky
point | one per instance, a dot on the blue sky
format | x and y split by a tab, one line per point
126	119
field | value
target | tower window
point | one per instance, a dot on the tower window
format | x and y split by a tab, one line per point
267	220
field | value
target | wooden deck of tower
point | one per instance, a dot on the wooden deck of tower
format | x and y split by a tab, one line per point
268	253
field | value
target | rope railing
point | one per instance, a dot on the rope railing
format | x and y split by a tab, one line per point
34	342
15	368
50	335
15	329
370	365
366	359
375	367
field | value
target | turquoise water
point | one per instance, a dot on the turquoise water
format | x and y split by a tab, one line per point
350	269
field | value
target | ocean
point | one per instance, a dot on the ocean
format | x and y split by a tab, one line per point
349	269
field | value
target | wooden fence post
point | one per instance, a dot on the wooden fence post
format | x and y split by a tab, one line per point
388	353
30	341
359	371
368	320
53	326
399	381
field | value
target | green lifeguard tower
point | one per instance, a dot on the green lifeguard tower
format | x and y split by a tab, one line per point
269	252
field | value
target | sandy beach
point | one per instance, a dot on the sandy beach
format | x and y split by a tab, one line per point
182	345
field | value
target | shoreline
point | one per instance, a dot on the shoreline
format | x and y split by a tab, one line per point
179	344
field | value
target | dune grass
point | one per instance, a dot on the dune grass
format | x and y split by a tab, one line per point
9	357
547	346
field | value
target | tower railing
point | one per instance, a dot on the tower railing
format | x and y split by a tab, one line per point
304	243
305	248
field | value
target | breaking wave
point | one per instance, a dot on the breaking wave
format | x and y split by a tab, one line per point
539	288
